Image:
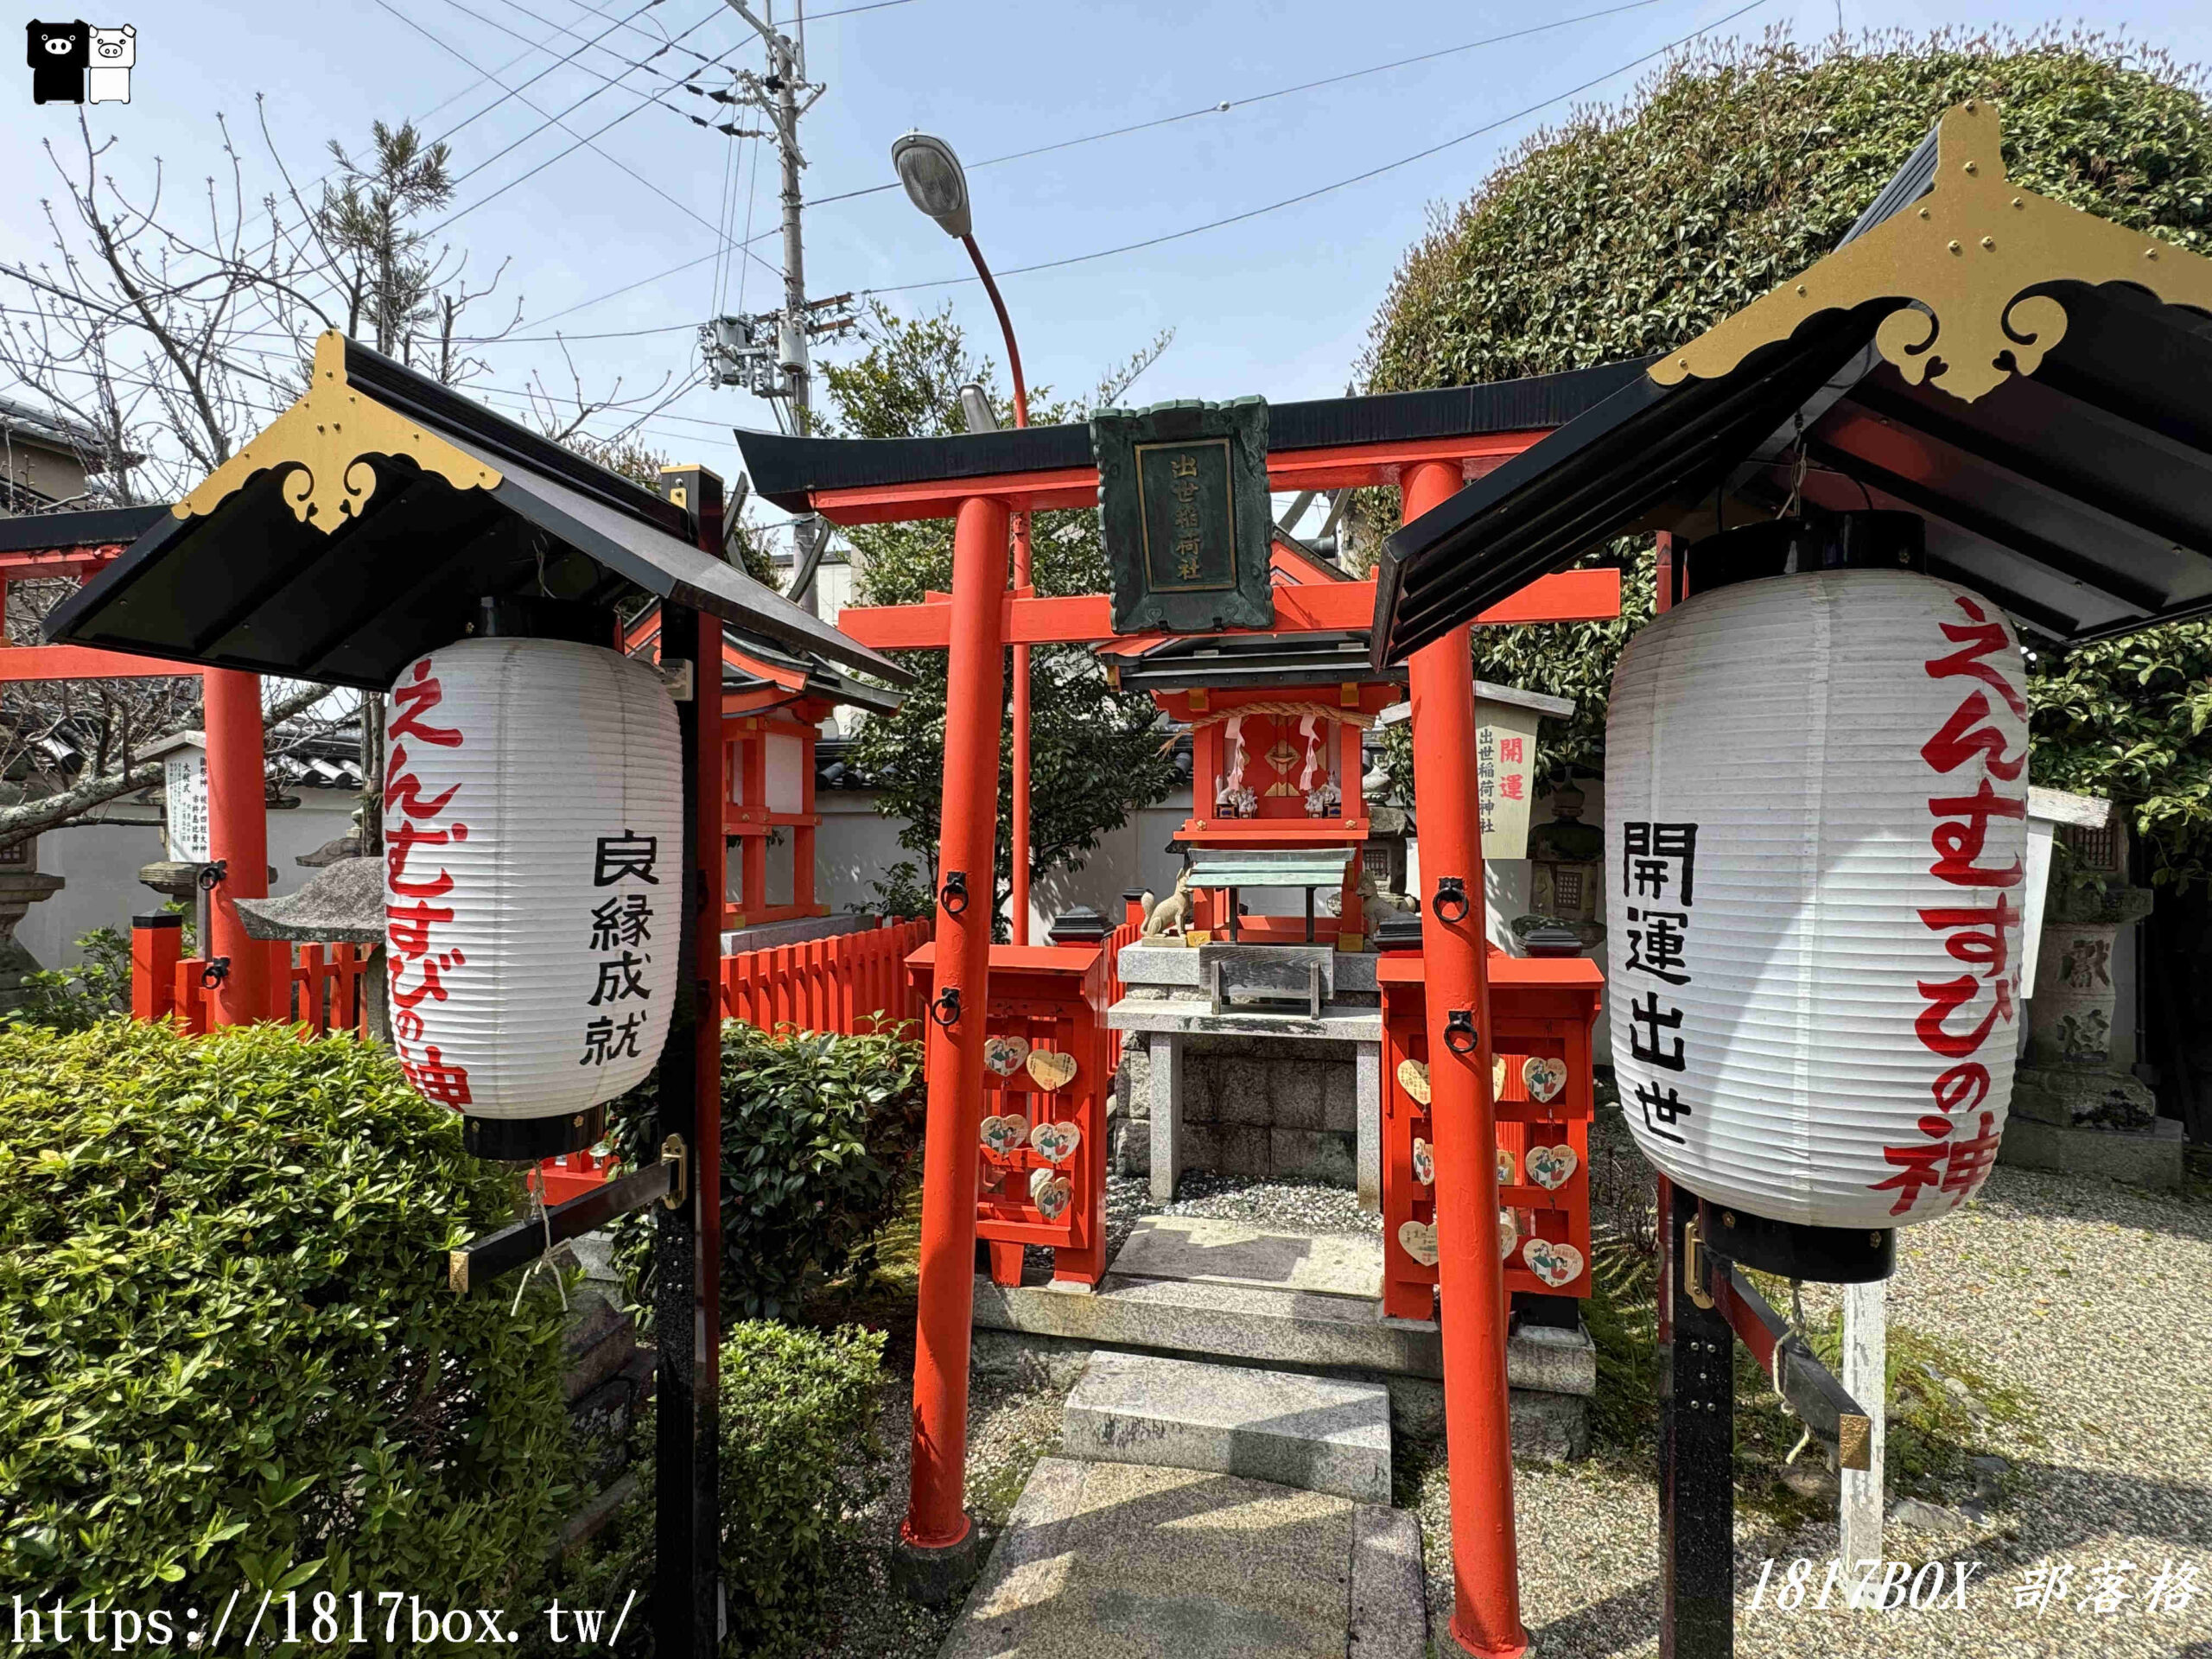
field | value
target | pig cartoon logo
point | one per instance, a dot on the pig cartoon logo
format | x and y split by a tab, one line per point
58	54
107	75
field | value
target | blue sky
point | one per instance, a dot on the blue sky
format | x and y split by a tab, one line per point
1278	304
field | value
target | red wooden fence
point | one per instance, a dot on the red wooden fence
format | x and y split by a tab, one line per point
1128	932
319	986
850	983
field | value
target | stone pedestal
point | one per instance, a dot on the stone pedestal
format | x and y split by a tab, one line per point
19	890
2073	1109
1259	1090
2070	1018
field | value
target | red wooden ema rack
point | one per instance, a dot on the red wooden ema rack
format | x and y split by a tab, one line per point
1541	1009
1053	998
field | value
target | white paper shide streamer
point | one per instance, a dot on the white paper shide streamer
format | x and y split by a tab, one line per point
533	870
1815	830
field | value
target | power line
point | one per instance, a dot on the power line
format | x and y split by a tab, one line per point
752	195
1357	178
1226	104
629	66
1210	109
587	140
541	74
606	84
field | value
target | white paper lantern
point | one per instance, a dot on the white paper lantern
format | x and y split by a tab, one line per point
533	876
1815	817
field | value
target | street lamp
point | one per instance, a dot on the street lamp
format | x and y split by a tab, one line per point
934	181
937	184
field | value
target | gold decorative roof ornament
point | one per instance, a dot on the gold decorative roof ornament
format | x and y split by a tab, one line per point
1959	261
327	438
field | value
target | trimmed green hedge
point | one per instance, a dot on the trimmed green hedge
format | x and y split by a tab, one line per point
1629	228
818	1133
228	1358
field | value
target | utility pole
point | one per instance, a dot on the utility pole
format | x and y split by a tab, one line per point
787	66
767	353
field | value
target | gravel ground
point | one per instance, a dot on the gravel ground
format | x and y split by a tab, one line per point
2092	1299
1011	1423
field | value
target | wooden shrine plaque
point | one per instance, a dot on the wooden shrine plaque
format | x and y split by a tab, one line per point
1183	502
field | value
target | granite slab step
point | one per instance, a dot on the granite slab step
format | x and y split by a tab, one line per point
1274	1325
1318	1434
1143	1562
1237	1252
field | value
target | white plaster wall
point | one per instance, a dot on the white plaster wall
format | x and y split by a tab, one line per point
1135	856
101	863
853	848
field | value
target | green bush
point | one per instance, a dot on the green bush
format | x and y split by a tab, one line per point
229	1358
797	1439
72	999
818	1133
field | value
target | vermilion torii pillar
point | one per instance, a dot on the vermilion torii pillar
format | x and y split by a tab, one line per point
937	1537
1485	1568
237	835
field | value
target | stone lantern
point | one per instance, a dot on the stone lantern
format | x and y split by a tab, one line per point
21	886
1566	872
2076	1104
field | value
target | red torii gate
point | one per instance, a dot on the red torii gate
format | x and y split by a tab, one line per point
80	545
974	623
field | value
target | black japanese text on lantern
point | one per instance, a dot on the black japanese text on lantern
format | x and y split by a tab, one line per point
1189	518
1659	879
620	925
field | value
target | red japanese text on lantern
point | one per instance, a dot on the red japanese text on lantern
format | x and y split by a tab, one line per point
418	823
1962	1016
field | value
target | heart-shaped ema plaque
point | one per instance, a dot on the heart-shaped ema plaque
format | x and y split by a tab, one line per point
1412	1077
1002	1134
1418	1240
1544	1078
1497	1076
1552	1167
1055	1140
1509	1233
1506	1170
1004	1055
1052	1071
1049	1193
1555	1263
1424	1162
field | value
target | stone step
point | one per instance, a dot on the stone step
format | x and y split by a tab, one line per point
1319	1434
1204	1317
1157	1563
1200	1289
1237	1252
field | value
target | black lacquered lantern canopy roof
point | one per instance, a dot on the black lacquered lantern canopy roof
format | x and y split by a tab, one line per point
364	525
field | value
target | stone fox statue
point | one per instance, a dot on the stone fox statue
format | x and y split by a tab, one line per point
1171	914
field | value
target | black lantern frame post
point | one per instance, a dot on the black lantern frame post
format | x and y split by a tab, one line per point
688	1614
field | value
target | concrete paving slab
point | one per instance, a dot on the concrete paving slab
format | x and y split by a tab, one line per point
1389	1608
1107	1560
1321	1434
1233	1253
